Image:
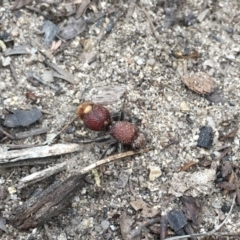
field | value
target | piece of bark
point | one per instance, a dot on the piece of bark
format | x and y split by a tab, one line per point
38	152
49	203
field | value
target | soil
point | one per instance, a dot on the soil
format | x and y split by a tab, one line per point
132	61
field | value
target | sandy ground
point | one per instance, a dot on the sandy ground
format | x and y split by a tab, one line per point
143	78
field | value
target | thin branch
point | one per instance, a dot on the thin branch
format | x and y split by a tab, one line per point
40	175
112	159
156	34
32	132
6	134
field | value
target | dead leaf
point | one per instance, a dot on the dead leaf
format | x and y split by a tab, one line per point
216	96
226	186
226	168
192	209
60	73
22	118
50	30
108	95
71	29
229	136
199	82
20	3
147	211
126	223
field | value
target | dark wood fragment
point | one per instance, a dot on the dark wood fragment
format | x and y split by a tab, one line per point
47	204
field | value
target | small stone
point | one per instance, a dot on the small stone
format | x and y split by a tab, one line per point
86	223
12	190
155	172
6	61
151	61
15	33
113	228
62	236
33	170
184	107
76	101
105	224
14	197
140	61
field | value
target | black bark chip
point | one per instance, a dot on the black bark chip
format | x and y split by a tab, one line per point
205	139
177	220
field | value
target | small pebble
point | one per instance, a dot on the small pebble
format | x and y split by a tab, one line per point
140	61
105	224
151	61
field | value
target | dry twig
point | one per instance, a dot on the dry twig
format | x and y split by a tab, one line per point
157	36
39	209
40	175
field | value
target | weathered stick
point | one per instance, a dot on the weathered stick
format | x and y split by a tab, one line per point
39	209
39	176
38	152
31	133
111	159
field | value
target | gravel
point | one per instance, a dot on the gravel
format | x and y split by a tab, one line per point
130	60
